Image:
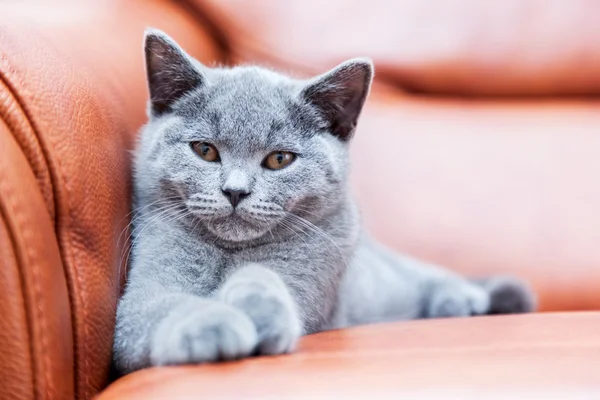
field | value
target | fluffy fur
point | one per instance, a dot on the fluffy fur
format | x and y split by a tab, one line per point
209	281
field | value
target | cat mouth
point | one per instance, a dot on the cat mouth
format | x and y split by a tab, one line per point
240	218
237	227
235	224
245	218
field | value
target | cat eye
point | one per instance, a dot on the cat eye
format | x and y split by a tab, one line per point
206	151
279	159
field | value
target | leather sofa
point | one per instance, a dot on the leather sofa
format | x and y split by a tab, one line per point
479	149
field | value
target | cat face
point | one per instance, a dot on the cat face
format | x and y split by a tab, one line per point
246	151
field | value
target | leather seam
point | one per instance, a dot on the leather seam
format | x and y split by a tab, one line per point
12	92
80	351
55	174
20	219
4	219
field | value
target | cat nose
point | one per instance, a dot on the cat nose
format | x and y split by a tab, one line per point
235	195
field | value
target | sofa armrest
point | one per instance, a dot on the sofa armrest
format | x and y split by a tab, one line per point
72	98
36	341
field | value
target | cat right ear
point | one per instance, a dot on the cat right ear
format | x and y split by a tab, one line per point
340	94
170	71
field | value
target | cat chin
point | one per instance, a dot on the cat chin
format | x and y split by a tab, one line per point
236	229
237	236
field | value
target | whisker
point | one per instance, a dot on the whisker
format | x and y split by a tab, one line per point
137	212
290	229
134	220
319	232
137	231
167	220
306	210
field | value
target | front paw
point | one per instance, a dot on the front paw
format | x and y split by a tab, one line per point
264	298
212	333
457	299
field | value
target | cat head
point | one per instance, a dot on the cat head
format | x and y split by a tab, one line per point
245	151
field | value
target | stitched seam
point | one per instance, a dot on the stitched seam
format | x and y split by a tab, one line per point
79	293
27	121
25	300
20	219
74	285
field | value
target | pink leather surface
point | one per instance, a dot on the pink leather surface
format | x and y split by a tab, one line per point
465	47
487	187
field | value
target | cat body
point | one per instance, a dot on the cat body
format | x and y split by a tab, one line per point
246	235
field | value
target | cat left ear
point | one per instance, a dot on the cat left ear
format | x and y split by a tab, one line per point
171	73
340	94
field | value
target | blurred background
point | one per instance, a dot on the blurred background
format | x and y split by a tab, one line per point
452	47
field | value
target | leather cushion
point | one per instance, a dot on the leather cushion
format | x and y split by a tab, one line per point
468	47
526	356
487	187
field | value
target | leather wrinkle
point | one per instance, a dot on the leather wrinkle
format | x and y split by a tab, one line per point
4	219
54	176
29	258
13	93
216	33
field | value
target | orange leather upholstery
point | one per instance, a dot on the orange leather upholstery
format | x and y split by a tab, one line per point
518	357
36	342
73	97
469	47
480	185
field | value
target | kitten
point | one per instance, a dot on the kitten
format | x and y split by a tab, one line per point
246	236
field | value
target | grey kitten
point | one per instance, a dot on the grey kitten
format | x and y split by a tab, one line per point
246	236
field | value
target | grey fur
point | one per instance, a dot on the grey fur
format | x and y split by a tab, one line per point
206	284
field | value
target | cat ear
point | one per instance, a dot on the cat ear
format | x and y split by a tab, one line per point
171	73
340	94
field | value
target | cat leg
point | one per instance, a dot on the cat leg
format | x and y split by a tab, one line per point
494	295
263	296
455	297
412	288
381	285
450	295
154	328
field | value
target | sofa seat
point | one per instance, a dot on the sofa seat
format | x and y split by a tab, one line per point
546	355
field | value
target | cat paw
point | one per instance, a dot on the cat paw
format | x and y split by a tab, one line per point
264	298
213	333
458	299
508	295
277	327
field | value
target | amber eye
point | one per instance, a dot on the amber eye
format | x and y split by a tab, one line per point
207	151
279	159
